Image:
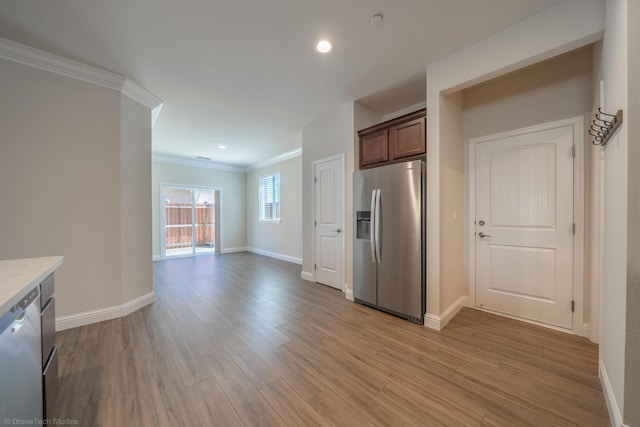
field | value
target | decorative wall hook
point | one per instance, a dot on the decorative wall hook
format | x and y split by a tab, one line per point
603	126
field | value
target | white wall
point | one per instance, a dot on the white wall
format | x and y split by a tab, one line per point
614	233
553	90
336	132
60	191
61	184
332	134
135	182
451	209
282	239
233	199
403	111
565	27
632	339
240	229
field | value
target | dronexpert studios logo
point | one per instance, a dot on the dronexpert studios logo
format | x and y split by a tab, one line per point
39	422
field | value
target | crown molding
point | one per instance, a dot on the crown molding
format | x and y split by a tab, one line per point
277	159
46	61
37	58
164	158
155	113
140	95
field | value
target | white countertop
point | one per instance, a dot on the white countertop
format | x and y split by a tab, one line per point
19	276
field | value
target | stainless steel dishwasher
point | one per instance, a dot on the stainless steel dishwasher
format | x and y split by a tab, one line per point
21	362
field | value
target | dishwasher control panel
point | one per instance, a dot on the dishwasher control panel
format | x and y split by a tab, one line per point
8	318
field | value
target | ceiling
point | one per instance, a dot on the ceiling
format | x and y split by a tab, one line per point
244	73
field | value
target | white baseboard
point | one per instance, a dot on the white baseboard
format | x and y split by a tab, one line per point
164	258
348	293
276	255
439	322
580	331
233	250
586	330
609	396
305	275
531	322
102	314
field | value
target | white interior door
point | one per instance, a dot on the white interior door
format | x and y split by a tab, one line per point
329	222
524	225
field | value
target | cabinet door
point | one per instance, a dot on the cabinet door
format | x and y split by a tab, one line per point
407	139
374	148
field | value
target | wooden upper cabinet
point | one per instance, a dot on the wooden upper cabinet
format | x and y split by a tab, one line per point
397	140
374	148
407	139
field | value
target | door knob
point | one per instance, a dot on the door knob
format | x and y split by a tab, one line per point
482	235
337	230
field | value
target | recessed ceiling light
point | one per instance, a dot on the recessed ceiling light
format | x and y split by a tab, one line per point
222	147
376	19
324	46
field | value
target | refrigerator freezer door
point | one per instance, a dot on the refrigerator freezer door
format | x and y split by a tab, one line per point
400	275
364	268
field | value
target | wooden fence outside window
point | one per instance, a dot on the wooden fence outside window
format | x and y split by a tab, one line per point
179	227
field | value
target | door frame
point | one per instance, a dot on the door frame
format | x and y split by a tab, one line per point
578	216
163	219
314	165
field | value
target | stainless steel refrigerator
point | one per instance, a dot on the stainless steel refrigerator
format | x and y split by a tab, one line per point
389	239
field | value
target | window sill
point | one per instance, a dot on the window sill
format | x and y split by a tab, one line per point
276	221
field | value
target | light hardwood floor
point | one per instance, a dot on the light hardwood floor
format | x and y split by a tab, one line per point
240	339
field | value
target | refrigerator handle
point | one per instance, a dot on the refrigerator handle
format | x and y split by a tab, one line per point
372	239
378	256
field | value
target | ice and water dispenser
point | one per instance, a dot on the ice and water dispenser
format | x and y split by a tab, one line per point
363	225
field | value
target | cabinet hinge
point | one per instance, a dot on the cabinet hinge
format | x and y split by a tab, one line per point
573	151
573	226
573	306
315	223
315	179
315	267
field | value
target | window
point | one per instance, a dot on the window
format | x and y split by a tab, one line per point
269	197
188	219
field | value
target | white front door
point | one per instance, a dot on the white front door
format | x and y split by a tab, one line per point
329	223
524	225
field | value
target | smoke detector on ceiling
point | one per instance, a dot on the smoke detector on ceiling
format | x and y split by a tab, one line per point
376	19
